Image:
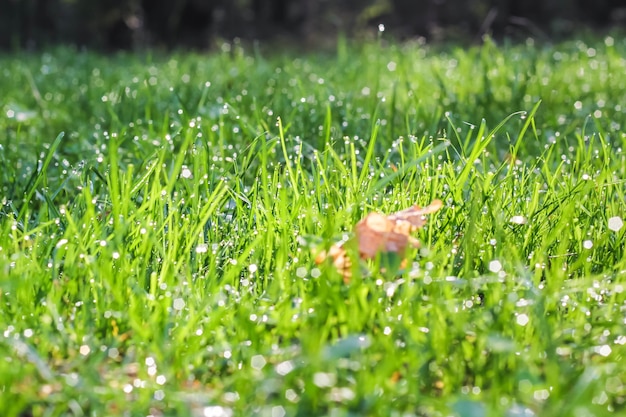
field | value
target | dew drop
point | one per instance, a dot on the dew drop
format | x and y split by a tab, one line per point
186	173
522	319
518	220
258	362
615	223
278	411
495	266
217	411
604	350
324	380
284	368
179	304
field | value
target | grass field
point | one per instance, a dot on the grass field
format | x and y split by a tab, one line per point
161	215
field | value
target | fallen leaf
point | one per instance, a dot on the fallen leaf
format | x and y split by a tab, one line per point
395	377
378	233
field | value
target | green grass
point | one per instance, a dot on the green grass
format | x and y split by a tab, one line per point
160	215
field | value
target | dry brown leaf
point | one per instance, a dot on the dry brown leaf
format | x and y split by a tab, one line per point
377	233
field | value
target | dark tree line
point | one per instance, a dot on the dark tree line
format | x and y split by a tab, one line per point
113	24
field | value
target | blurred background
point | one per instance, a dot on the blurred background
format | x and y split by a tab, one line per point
133	24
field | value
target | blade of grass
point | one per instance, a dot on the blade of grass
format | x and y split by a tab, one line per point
39	175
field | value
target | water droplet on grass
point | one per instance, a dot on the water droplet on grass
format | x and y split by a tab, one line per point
495	266
113	353
324	379
186	173
291	395
179	304
518	220
278	411
541	395
284	368
522	319
258	362
217	411
341	394
616	223
604	350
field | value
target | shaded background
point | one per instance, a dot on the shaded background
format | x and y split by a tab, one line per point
131	24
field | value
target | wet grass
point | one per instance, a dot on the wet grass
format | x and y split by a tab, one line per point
158	216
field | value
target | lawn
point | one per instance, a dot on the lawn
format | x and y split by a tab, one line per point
162	214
